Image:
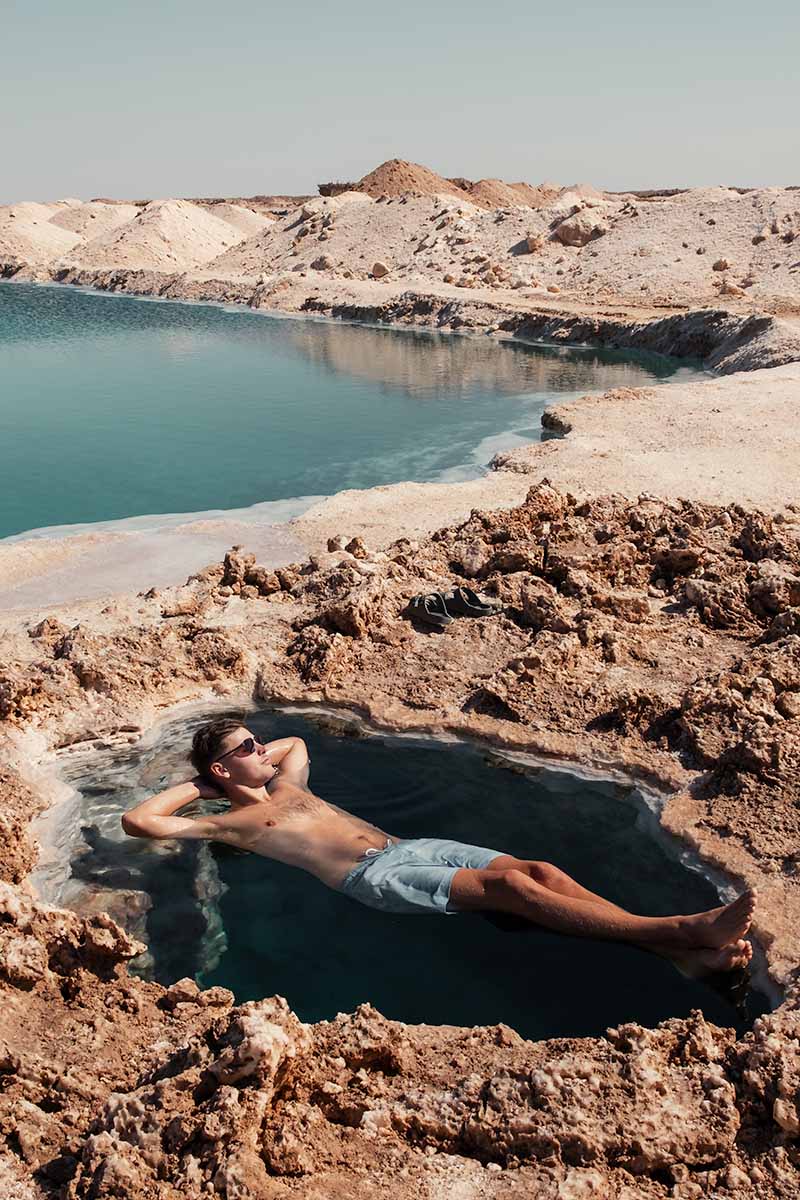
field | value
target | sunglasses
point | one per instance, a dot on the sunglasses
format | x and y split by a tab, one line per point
243	749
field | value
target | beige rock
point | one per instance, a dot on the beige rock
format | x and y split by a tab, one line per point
357	547
184	991
582	227
23	961
785	1115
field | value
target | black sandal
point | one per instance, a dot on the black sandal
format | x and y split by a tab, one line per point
430	609
466	603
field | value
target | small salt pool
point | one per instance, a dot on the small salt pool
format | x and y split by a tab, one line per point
258	927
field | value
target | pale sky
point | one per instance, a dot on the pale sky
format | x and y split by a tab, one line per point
192	98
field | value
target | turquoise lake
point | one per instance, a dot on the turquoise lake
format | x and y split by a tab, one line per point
113	407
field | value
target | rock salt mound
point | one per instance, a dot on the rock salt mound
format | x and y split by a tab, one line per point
714	195
27	235
586	191
244	219
580	196
332	204
166	235
93	219
538	196
494	193
28	210
351	236
399	178
251	257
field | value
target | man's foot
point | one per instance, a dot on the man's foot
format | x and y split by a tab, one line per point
697	963
719	927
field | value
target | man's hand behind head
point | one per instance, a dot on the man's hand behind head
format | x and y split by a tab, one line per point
294	763
206	790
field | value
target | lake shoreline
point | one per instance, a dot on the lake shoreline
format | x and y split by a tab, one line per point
727	338
61	564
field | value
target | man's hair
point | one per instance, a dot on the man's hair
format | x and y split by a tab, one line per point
207	744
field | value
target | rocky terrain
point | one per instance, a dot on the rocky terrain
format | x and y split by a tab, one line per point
648	625
657	638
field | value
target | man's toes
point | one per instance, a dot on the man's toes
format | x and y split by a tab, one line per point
742	952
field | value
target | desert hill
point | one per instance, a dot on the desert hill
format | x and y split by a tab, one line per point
397	177
407	225
693	247
245	220
166	235
27	234
94	219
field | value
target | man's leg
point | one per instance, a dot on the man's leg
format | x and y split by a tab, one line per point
514	891
552	878
701	961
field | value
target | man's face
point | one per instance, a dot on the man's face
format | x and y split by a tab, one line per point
237	764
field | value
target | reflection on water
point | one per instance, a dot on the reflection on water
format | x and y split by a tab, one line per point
115	407
429	364
259	927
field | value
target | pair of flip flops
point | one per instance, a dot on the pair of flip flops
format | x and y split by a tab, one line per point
440	608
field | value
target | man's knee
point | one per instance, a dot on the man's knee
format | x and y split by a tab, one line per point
510	884
543	873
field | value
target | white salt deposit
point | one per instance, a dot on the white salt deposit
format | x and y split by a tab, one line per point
165	235
246	220
93	219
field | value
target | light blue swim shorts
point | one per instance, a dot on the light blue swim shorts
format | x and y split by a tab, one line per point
412	876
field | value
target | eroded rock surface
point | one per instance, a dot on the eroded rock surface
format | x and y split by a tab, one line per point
659	638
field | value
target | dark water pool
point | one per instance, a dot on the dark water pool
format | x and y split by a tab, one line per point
258	927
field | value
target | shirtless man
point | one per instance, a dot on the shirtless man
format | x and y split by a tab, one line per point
273	813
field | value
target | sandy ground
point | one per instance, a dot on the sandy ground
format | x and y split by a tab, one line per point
513	249
723	441
380	515
38	574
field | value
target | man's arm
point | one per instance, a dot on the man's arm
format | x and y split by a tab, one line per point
290	756
154	817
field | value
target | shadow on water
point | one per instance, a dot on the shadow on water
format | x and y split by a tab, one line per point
259	928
